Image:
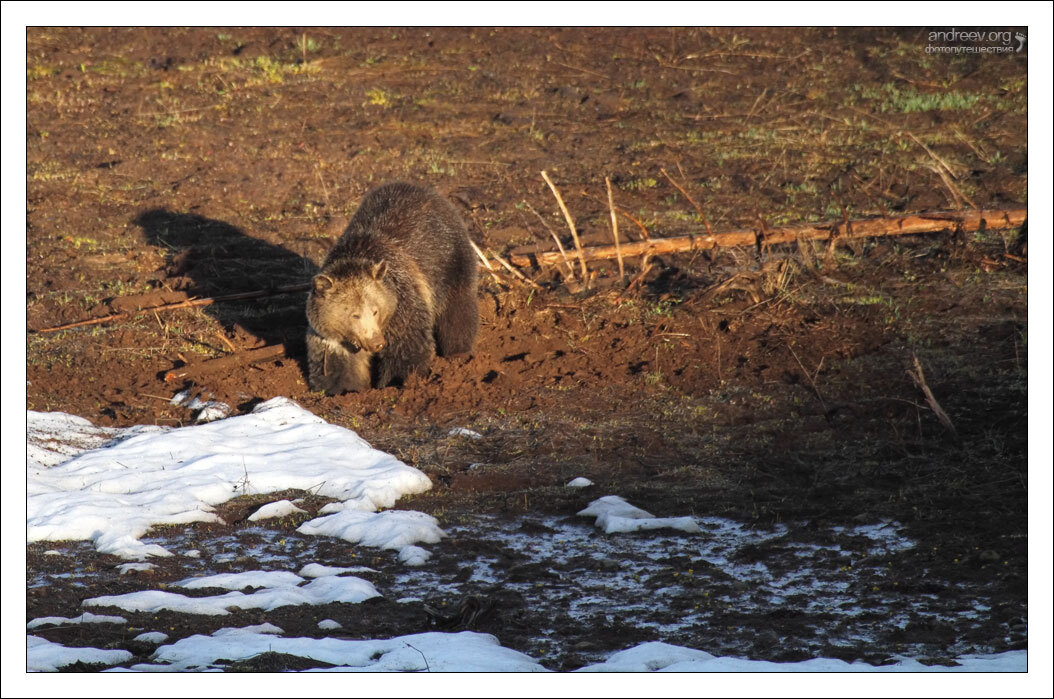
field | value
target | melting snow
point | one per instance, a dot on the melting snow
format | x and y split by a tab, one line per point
663	657
280	590
439	652
131	480
279	508
44	656
615	515
85	618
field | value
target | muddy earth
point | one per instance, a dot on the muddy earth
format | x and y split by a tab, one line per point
766	392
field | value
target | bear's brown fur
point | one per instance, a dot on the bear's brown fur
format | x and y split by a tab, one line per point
398	288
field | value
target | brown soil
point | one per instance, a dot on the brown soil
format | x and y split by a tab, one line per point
765	386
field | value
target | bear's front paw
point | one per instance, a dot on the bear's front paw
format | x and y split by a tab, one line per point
340	373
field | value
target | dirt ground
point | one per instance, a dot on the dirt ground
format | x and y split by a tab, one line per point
770	387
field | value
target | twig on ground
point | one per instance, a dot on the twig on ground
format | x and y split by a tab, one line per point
920	380
559	245
190	303
925	222
815	388
515	272
486	263
570	224
614	231
248	357
709	230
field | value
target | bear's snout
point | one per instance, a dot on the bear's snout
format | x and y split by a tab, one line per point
374	344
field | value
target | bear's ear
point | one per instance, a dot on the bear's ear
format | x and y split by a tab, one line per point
321	284
379	270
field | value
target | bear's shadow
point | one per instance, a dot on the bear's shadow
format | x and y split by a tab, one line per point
209	258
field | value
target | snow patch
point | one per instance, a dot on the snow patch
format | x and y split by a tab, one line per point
44	656
464	432
280	508
317	570
85	618
614	515
281	592
133	479
663	657
155	637
466	651
392	529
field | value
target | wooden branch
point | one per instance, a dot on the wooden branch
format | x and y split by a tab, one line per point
698	209
190	303
556	238
614	231
920	380
926	222
570	224
231	360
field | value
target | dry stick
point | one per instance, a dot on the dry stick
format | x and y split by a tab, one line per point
812	383
322	182
933	155
483	259
559	245
956	192
249	357
570	224
226	342
920	381
614	231
643	230
926	222
940	169
709	230
515	272
645	268
190	303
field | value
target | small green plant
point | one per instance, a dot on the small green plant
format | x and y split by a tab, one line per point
639	184
379	97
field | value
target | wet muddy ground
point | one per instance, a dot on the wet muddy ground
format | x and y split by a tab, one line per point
764	392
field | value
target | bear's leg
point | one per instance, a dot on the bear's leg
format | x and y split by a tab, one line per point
396	363
333	369
456	329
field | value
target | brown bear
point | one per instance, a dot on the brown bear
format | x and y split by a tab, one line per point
398	288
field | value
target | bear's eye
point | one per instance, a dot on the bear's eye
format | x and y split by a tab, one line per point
356	316
375	312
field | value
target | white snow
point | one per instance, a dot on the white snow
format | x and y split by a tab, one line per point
464	432
155	637
281	590
579	482
85	618
240	581
329	625
663	657
128	481
279	508
614	515
439	652
44	656
110	486
391	529
125	568
317	570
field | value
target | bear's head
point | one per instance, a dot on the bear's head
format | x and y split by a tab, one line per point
352	307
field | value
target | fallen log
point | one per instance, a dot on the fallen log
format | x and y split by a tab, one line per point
927	222
190	303
231	360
